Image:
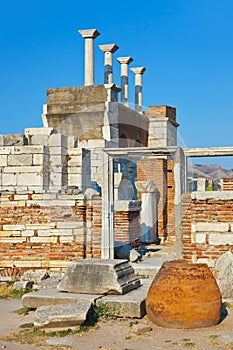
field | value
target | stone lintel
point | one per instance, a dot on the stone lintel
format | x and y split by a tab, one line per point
125	60
146	186
138	70
109	48
89	33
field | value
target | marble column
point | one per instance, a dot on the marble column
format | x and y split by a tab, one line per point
89	35
108	50
124	61
138	71
149	211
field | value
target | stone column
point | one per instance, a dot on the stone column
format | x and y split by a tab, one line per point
124	61
149	212
89	35
138	86
108	50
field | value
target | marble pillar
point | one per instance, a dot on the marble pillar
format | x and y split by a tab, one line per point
124	61
89	35
108	50
149	211
138	71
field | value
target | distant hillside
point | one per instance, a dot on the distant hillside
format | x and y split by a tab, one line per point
214	172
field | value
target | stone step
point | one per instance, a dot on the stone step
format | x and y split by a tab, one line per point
149	266
132	304
53	296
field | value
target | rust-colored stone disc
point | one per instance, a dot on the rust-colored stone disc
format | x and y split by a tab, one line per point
184	295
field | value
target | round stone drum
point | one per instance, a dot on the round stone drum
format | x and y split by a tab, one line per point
184	295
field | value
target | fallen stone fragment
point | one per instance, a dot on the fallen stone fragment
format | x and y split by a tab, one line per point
63	315
99	277
141	329
20	285
224	274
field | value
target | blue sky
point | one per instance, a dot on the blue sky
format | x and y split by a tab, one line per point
186	47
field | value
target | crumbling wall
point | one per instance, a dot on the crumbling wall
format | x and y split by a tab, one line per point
207	225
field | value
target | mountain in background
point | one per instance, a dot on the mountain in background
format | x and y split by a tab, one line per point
214	172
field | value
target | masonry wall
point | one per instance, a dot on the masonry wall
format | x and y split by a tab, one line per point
50	230
207	225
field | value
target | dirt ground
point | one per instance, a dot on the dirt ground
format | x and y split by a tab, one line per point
113	334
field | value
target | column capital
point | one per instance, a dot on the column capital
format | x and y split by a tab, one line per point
89	33
109	48
146	186
125	60
138	70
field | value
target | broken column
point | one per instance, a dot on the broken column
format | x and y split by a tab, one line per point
138	71
124	61
89	35
149	212
108	50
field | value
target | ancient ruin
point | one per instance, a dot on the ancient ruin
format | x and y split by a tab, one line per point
100	172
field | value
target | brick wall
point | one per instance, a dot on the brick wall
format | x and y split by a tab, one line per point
227	184
207	225
50	230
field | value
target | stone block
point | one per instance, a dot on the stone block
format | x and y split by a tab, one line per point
14	139
39	131
23	169
67	224
27	263
63	315
39	149
9	179
3	160
66	239
44	233
27	233
13	227
5	233
220	239
130	305
21	159
99	277
200	238
39	159
210	227
30	179
6	150
38	140
51	296
58	140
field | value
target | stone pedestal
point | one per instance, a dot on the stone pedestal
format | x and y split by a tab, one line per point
99	277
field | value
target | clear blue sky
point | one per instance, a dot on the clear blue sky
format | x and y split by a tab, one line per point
186	46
